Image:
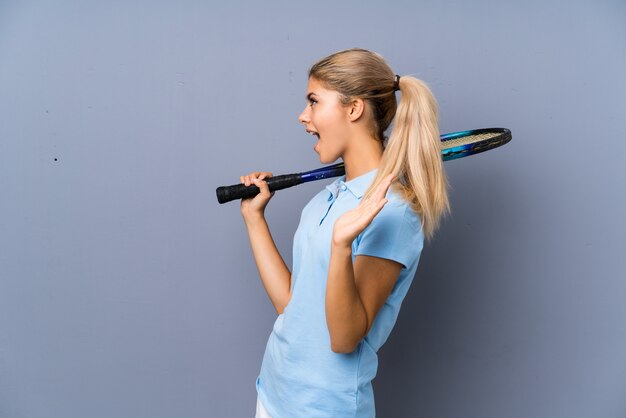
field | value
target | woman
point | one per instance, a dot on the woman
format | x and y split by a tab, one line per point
359	240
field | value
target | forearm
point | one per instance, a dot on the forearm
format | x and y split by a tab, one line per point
346	317
273	271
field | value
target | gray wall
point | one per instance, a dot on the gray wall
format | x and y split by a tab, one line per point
127	291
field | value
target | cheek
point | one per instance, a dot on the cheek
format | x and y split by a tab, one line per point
330	121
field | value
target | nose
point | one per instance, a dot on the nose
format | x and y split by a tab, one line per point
304	116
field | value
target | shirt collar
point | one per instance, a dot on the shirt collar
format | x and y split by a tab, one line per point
357	186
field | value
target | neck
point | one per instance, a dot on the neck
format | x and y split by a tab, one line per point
364	158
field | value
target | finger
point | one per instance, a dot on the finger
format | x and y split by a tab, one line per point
263	187
377	205
379	192
249	179
256	181
375	210
388	180
384	186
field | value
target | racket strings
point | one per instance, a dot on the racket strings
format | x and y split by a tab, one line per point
469	139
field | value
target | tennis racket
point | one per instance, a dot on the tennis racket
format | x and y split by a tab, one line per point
453	145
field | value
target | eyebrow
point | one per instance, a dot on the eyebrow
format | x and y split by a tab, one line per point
310	95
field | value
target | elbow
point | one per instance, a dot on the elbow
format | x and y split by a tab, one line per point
345	342
280	307
344	347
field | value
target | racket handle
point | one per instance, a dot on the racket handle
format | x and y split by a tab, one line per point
241	191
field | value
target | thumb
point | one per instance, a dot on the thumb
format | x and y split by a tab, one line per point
262	185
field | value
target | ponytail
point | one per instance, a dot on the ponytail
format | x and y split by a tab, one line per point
413	154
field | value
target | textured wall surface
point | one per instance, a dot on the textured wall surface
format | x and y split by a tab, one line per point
127	291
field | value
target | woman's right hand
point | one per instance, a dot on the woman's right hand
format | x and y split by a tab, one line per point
255	206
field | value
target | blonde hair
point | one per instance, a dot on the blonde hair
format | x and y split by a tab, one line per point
412	151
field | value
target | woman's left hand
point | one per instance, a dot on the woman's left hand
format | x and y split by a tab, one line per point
352	223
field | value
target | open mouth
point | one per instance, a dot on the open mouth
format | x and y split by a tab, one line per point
316	135
310	132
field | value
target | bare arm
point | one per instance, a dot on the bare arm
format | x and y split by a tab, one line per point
273	271
355	293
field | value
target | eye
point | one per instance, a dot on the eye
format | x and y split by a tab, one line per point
311	99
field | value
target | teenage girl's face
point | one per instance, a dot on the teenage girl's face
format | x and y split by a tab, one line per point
326	118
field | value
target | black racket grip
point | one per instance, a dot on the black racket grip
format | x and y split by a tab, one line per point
241	191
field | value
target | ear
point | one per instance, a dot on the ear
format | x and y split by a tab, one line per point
356	109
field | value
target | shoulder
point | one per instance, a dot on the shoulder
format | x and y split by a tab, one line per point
399	211
395	233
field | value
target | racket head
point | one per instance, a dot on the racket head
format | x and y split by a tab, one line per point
464	143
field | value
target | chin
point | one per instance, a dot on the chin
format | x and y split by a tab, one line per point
325	159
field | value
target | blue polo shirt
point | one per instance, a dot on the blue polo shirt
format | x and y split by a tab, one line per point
300	375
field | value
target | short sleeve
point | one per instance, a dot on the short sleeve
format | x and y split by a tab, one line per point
395	234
